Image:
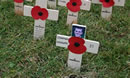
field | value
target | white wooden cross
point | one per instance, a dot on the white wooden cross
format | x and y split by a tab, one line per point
52	3
107	12
18	7
74	60
73	16
39	26
29	0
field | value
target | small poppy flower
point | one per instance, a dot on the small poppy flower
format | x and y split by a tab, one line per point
18	1
74	5
39	13
76	45
107	3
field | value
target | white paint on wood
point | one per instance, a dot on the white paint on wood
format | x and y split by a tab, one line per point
39	25
92	46
29	0
41	3
52	3
62	2
72	17
119	2
53	14
25	0
86	5
18	8
27	10
39	29
62	41
96	2
74	61
106	13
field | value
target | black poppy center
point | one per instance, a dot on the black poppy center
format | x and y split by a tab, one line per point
107	0
76	44
40	13
74	3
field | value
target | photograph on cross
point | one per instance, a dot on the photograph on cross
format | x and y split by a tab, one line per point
78	30
64	38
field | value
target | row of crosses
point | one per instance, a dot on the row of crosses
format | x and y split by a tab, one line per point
76	43
84	5
40	13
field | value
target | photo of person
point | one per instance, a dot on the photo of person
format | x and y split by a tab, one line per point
78	31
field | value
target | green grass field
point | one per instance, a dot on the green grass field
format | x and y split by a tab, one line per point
21	56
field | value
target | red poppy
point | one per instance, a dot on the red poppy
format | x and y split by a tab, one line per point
74	5
39	13
18	1
76	45
107	3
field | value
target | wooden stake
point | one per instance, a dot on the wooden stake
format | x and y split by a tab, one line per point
18	8
52	3
72	17
106	13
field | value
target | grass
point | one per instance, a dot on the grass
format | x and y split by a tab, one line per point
21	56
